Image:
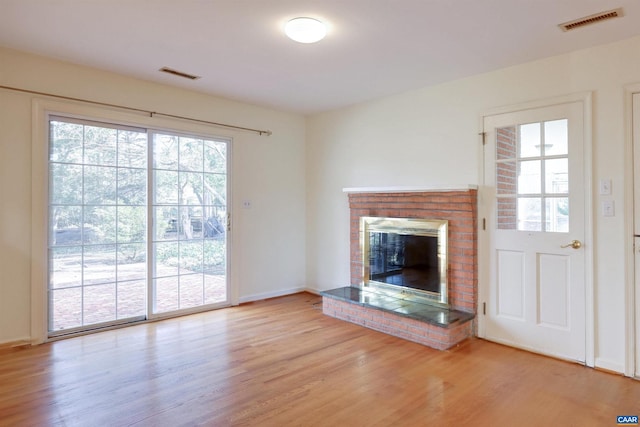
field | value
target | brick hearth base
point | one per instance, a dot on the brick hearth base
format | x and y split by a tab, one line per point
444	329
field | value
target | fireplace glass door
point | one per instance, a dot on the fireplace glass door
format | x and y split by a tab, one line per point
405	257
404	260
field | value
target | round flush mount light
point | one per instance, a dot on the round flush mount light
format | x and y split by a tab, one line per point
305	30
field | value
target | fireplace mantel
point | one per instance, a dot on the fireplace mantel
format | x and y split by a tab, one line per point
409	189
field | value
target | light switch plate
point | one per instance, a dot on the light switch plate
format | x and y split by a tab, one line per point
608	208
605	186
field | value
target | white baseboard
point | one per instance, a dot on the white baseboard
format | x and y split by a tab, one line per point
610	365
274	294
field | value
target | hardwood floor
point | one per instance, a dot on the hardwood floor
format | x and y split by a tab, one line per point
281	362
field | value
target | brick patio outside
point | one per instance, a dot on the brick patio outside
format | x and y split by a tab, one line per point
72	306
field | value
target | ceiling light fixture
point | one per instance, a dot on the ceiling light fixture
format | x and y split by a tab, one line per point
305	30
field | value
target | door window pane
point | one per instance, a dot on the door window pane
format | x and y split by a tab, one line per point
131	298
166	223
165	152
556	140
191	257
65	225
100	185
532	169
507	214
529	214
166	259
556	176
215	157
191	290
131	223
66	143
166	187
529	144
557	214
132	262
65	308
65	267
100	146
166	294
506	177
529	177
99	224
191	152
65	183
132	186
98	264
132	149
99	303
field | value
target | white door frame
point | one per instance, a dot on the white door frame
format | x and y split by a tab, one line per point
632	307
484	209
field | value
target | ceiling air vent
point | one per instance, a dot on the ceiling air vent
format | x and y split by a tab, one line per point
591	19
179	73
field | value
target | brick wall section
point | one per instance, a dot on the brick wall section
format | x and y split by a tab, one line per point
507	215
506	177
399	326
458	207
506	143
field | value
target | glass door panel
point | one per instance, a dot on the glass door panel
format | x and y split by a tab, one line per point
97	224
189	212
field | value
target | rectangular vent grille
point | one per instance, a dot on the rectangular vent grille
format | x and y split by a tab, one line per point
591	19
179	73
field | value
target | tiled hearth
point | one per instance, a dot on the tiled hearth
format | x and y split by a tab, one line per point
426	324
422	323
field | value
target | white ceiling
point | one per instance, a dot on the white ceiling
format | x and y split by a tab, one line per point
374	47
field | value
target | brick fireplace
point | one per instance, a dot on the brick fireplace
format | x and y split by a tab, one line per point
459	208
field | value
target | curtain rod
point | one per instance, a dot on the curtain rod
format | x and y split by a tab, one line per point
260	132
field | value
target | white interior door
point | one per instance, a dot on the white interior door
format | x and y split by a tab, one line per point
534	204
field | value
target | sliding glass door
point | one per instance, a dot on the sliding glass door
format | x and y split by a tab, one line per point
189	217
107	184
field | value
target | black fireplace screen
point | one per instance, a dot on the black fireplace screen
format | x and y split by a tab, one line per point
404	260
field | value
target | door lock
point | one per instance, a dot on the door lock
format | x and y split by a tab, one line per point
575	244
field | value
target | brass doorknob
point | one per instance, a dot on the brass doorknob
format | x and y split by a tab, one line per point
575	244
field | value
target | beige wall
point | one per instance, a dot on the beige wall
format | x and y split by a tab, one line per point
268	239
429	138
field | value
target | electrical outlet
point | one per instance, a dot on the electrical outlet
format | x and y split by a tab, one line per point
246	204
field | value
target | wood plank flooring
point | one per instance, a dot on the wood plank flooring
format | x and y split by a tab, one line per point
281	362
